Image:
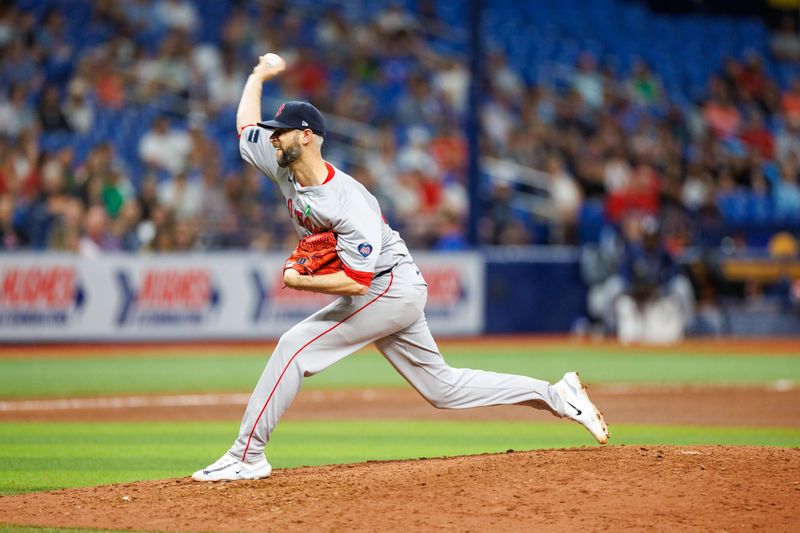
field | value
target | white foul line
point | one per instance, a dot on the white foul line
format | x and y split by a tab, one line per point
194	400
125	402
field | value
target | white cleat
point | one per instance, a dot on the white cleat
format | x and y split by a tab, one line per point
578	406
229	468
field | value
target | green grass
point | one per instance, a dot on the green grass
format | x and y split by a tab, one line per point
22	377
44	456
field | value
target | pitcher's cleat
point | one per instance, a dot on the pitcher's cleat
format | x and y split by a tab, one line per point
578	406
229	468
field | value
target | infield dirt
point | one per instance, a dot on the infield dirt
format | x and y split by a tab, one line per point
661	488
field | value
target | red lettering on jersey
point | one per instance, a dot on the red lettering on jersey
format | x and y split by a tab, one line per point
302	221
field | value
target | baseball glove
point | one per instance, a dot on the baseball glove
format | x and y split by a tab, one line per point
315	254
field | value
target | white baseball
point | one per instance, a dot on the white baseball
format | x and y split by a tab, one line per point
273	60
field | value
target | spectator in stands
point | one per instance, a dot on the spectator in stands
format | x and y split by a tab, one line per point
107	82
19	66
418	104
790	102
16	113
787	142
753	80
755	134
720	113
310	77
9	239
786	193
116	191
450	233
181	196
166	148
498	121
78	110
588	81
785	40
126	227
214	206
500	225
760	202
617	171
381	156
185	236
51	117
9	23
640	194
643	85
173	75
164	237
394	18
503	78
451	81
24	171
697	187
177	15
66	232
565	201
224	86
46	207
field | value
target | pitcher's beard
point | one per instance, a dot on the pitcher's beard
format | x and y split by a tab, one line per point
289	155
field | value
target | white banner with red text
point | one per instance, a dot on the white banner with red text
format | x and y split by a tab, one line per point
56	297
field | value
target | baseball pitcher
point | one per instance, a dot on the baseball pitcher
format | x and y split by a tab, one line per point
348	249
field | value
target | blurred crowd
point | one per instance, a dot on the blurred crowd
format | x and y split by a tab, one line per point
168	177
619	144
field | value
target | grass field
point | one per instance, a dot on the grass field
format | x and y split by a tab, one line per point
230	370
43	456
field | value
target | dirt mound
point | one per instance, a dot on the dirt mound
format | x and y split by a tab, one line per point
616	487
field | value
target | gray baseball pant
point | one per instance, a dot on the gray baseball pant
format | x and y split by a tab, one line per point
392	316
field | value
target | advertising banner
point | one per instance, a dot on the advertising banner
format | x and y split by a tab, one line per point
56	297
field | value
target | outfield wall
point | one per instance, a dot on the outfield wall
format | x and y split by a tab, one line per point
59	297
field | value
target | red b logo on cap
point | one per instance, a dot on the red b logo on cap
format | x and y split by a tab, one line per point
280	109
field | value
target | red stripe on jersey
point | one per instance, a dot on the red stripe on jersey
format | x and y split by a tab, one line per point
331	172
364	278
240	133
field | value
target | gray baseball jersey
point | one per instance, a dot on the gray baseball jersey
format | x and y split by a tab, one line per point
391	315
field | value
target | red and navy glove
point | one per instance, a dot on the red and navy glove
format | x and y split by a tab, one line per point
315	255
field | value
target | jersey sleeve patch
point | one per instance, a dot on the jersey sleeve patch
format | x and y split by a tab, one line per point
365	249
248	135
252	135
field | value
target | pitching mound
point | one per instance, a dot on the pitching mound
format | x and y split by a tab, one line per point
611	488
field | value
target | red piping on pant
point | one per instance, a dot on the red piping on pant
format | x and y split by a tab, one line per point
285	368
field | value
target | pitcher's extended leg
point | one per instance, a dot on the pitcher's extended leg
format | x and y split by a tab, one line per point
413	352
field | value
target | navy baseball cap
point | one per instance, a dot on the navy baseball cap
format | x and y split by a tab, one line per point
296	115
